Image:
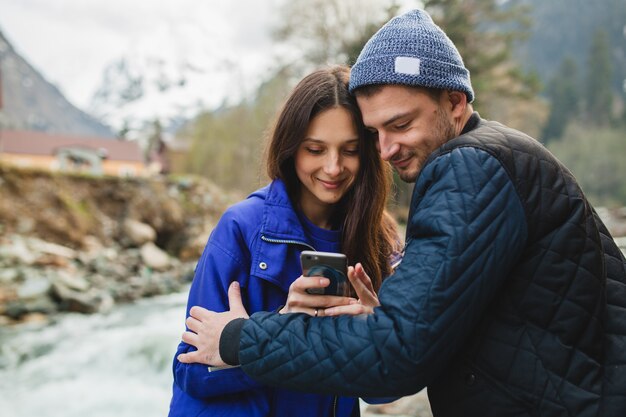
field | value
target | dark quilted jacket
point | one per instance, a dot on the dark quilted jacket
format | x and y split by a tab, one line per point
510	300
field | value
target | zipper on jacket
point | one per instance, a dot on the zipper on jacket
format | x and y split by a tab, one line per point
288	241
335	406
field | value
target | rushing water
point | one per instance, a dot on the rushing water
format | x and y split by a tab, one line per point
117	364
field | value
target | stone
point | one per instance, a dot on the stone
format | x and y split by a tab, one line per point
137	232
17	252
35	318
154	257
52	249
33	287
47	259
9	275
91	302
71	281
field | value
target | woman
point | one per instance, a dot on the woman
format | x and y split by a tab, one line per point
328	193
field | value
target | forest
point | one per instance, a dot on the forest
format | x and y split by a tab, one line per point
555	70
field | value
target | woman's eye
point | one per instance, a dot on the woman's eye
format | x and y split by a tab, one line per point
314	151
351	151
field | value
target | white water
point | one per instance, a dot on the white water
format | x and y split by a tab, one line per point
117	364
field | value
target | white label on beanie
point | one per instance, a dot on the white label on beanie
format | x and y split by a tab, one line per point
407	65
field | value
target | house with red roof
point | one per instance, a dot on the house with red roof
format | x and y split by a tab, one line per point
95	156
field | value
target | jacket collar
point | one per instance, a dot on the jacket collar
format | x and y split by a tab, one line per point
280	220
472	123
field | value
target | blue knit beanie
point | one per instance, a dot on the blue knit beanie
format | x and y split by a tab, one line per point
411	50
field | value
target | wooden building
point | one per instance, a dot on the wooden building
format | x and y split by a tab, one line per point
95	156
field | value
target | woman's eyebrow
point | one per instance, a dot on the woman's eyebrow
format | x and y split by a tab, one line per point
322	142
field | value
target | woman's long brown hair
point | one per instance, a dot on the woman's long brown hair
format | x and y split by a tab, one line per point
369	234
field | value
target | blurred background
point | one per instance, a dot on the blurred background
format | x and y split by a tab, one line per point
126	128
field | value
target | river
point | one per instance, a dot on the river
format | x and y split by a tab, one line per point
116	364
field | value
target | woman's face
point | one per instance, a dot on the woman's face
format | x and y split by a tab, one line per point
327	160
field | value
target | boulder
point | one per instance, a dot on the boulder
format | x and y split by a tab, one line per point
154	257
93	301
137	232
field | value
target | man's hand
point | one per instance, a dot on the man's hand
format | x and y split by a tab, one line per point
206	328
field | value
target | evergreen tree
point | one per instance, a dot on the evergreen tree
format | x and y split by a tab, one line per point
564	100
124	130
599	97
155	139
484	31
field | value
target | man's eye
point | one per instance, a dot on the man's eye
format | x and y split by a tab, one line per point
402	126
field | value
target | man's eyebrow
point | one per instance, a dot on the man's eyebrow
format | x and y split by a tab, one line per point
395	118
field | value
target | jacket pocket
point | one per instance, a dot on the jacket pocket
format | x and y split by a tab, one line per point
466	390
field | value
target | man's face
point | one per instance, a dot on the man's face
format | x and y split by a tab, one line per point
408	125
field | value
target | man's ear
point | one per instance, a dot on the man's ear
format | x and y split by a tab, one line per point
458	102
459	109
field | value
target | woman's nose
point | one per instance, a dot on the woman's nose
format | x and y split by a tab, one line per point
333	166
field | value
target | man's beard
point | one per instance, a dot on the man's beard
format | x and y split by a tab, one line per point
443	130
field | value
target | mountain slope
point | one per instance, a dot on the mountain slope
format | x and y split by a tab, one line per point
29	102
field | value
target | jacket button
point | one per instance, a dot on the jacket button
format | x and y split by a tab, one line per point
470	379
263	266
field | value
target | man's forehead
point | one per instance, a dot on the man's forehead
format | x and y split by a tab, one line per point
389	93
386	103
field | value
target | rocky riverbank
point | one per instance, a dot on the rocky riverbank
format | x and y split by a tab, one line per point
84	244
39	278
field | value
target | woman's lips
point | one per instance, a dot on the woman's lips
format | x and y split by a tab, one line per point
331	185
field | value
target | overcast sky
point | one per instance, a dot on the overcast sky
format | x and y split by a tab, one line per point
71	41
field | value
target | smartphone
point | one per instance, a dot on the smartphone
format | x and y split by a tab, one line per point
333	266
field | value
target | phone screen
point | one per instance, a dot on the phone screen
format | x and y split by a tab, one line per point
333	266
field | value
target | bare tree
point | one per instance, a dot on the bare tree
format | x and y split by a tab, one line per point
330	31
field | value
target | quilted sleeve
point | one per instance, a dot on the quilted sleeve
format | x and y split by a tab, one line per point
221	263
466	230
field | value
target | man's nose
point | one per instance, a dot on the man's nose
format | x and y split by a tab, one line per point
386	147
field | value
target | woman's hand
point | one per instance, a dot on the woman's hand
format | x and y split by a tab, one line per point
300	301
364	289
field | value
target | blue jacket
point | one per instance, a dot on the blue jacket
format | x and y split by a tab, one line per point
510	299
257	242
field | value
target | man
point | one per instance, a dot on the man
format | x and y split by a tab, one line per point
511	297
